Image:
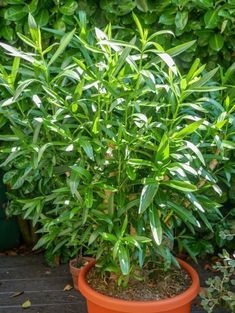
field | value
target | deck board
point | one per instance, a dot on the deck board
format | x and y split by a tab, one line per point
43	286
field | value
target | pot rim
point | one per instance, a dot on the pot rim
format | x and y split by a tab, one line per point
74	260
148	306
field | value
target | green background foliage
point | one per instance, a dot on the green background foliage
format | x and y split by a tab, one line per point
209	22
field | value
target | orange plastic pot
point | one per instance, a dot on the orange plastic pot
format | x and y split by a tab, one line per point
98	303
75	271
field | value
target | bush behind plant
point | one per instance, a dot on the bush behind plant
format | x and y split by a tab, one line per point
207	21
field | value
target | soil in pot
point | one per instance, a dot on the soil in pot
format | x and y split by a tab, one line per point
157	285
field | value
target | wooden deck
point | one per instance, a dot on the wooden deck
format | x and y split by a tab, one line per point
43	286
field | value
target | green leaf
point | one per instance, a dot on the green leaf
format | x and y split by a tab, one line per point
69	7
123	58
155	224
124	226
195	149
191	128
93	237
205	3
81	171
15	13
142	5
109	237
130	173
147	195
9	137
89	198
65	40
169	61
42	18
195	202
180	48
138	24
183	213
14	1
124	260
33	6
74	181
115	249
228	144
87	147
204	79
211	19
180	185
229	73
16	53
12	157
207	89
167	19
142	239
101	216
205	220
192	70
216	42
163	151
7	33
27	40
140	162
181	19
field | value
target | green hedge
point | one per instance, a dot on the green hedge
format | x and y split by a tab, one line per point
209	22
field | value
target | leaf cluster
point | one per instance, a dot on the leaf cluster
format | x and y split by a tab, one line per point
219	292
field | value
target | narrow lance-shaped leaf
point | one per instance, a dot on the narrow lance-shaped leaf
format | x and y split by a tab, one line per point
87	147
180	48
189	129
155	224
124	226
163	149
74	182
124	260
65	40
183	213
147	196
138	24
205	78
123	57
16	53
195	149
180	185
169	62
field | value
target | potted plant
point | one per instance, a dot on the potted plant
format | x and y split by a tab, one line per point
140	147
153	131
75	266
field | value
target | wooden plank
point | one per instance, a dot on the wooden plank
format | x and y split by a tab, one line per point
58	308
36	271
17	261
39	297
55	283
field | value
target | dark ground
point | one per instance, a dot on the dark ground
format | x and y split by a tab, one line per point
43	286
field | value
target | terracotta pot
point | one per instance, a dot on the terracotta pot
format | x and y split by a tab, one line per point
98	303
76	271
